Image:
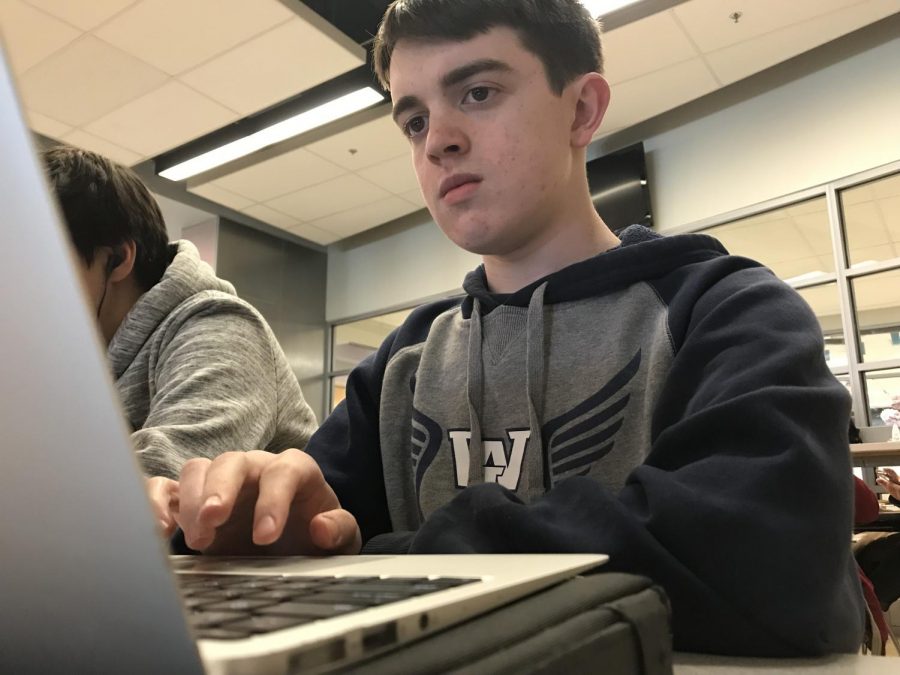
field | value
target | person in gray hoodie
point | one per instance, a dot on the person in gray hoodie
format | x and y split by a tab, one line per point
198	370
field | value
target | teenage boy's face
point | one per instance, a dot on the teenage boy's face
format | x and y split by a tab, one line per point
490	140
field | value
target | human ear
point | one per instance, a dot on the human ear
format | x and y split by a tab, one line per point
125	255
592	100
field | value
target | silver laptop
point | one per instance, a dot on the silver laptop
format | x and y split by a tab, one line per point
85	582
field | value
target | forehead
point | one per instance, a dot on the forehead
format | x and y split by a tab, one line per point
418	65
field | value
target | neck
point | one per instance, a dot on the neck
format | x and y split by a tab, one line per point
577	237
119	300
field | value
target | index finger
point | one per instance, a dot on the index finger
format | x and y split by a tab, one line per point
292	480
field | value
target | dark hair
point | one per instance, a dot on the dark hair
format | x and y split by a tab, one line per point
105	204
561	33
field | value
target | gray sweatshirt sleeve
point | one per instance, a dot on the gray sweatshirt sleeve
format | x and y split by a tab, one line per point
219	382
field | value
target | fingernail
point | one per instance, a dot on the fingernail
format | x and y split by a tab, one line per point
265	528
333	530
164	525
214	500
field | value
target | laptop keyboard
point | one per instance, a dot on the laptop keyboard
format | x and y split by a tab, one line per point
233	606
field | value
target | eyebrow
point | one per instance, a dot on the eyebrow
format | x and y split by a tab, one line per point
453	78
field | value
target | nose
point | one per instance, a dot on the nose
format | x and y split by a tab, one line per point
446	137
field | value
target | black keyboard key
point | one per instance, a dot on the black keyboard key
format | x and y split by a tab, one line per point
213	594
192	603
277	594
354	598
221	634
204	619
384	587
307	610
245	605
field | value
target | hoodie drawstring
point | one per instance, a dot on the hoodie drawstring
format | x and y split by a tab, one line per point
534	383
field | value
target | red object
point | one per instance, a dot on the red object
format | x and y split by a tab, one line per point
865	503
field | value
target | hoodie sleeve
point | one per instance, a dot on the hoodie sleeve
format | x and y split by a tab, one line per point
216	387
742	511
347	445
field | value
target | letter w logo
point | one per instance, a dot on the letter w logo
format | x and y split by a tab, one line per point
502	457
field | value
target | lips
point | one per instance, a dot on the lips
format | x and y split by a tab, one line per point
457	180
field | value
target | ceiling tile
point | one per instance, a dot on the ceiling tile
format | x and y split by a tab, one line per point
890	211
415	197
272	67
395	175
814	227
175	35
30	35
345	192
364	145
887	187
84	140
643	97
709	24
356	220
280	175
857	194
86	80
625	50
166	117
219	195
314	234
85	15
741	60
271	216
46	125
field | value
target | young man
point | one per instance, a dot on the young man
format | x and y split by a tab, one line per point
648	397
197	369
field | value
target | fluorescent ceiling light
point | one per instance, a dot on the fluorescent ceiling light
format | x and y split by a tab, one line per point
293	126
604	7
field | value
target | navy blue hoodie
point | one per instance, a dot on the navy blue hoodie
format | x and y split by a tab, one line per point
663	402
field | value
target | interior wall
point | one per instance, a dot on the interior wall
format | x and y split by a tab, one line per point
829	123
838	121
286	283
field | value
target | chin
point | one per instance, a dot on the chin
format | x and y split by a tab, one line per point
475	238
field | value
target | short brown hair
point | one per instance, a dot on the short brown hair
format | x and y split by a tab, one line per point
105	204
561	33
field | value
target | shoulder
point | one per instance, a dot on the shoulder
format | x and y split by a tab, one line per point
417	326
218	316
729	289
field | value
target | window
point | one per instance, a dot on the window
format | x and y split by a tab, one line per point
798	240
876	299
825	303
882	390
872	220
793	241
352	342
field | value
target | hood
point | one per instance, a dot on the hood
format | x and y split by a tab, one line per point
186	276
643	254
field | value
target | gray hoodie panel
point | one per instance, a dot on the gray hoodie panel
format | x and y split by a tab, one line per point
199	372
594	423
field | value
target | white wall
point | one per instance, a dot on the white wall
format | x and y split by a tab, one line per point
837	121
419	262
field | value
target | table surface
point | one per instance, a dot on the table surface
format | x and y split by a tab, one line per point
843	664
868	448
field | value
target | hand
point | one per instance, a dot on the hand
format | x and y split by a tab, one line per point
164	499
251	503
890	481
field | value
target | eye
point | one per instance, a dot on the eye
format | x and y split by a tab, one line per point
478	95
415	126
